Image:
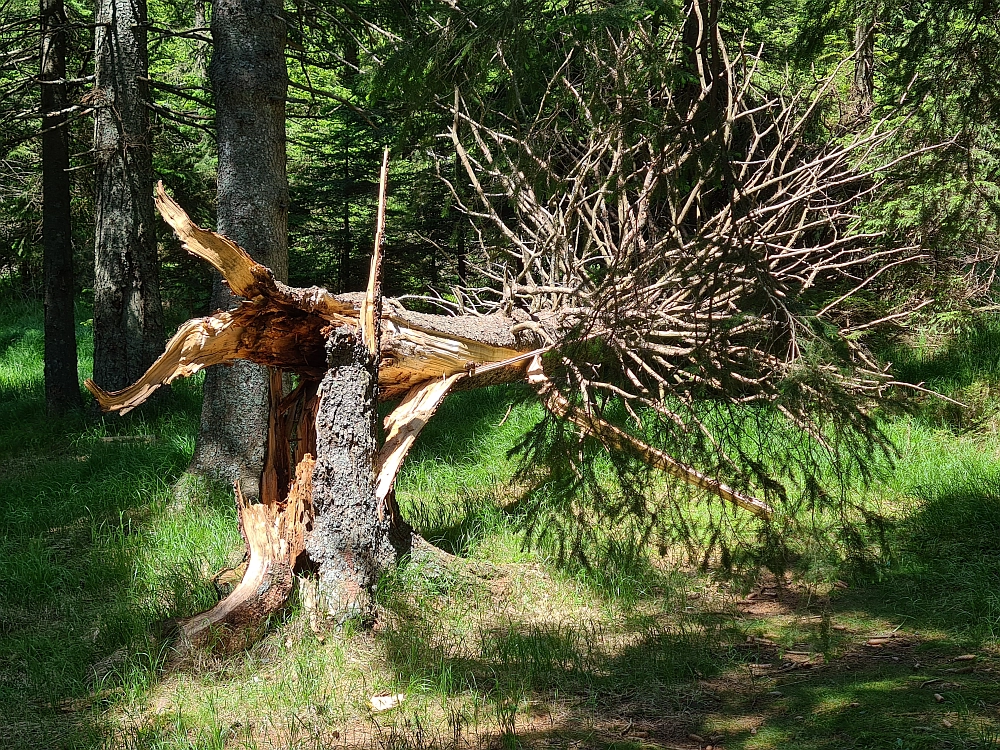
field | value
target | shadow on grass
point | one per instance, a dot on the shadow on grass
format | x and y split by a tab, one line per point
970	355
80	499
571	672
966	368
944	574
650	684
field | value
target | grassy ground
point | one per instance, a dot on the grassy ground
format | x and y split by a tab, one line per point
866	641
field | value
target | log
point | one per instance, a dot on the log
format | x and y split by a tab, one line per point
350	342
349	351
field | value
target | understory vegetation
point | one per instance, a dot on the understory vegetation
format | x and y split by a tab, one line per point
875	628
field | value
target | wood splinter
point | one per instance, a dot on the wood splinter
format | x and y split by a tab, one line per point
275	537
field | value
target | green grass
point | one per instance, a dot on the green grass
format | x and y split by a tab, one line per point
512	643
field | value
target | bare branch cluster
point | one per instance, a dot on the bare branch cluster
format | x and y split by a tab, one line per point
693	218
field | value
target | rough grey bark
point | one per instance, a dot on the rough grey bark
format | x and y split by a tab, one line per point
249	80
352	537
200	48
128	318
62	385
864	66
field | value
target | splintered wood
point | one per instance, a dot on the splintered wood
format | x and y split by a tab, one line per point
403	425
371	308
283	327
275	537
198	343
245	276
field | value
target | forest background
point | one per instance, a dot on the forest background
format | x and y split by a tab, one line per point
369	75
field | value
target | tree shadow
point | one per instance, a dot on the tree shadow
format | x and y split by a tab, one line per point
79	599
943	573
541	681
967	368
935	576
970	354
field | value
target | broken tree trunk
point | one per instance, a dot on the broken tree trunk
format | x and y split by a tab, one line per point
351	538
349	352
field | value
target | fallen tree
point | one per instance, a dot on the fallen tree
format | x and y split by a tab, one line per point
327	485
657	252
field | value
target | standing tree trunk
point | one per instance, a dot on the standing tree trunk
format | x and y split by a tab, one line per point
128	318
62	386
200	47
864	66
249	81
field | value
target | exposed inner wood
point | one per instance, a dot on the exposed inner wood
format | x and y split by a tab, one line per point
371	308
245	276
275	536
274	529
198	343
403	425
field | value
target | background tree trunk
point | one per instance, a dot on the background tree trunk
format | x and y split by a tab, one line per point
250	81
62	385
200	48
128	318
864	66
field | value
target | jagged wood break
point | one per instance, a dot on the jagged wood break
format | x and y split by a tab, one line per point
415	357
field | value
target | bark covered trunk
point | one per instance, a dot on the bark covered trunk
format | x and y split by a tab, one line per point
352	530
249	82
128	318
864	66
200	57
62	385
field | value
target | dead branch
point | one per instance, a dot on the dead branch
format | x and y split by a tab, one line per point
705	240
615	437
